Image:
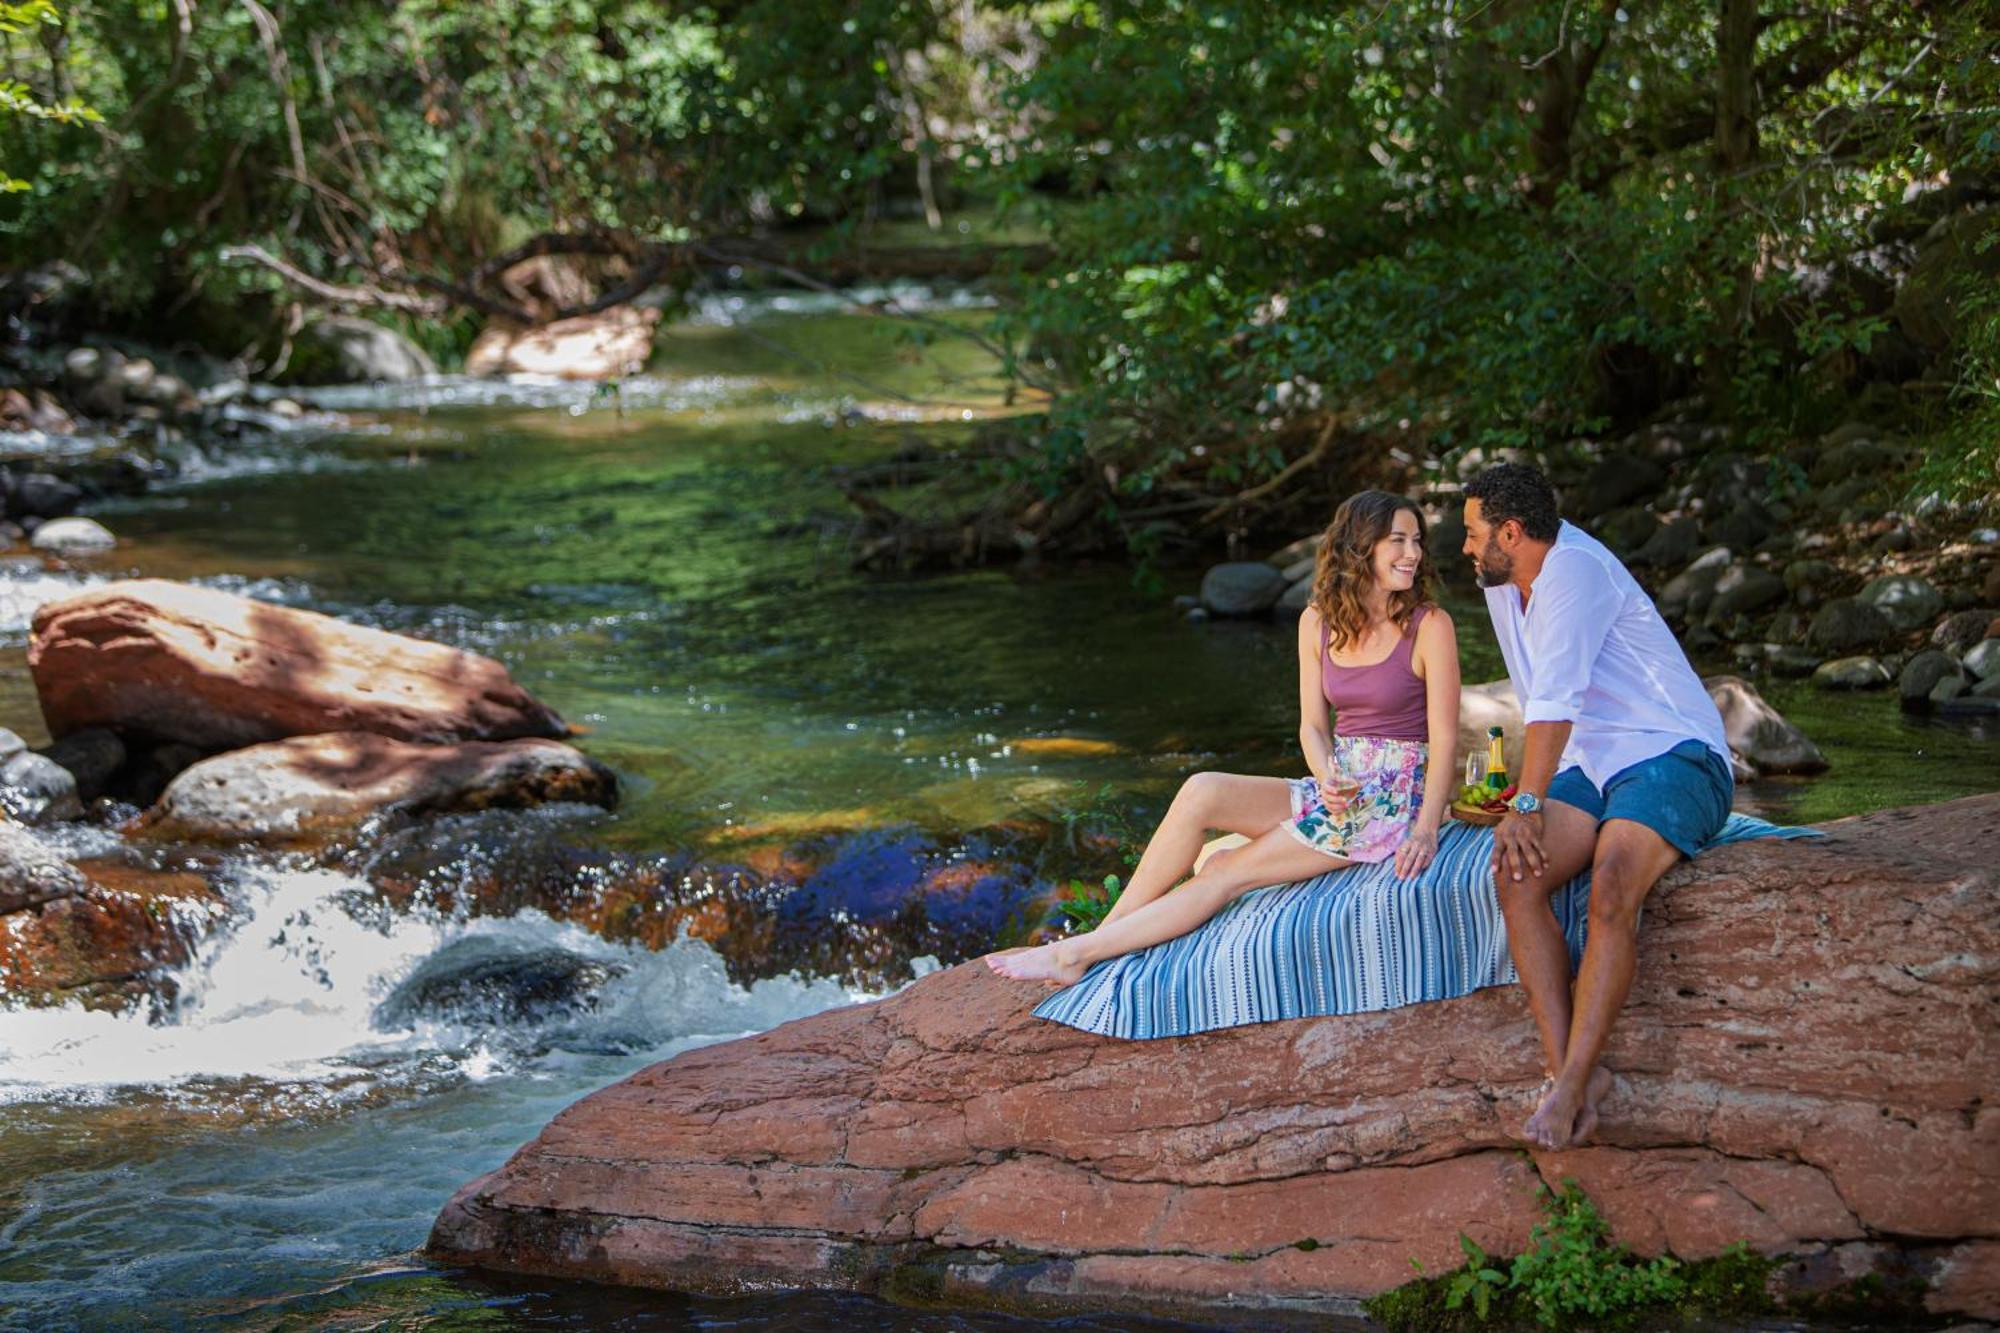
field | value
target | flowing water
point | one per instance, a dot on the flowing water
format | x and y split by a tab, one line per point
668	566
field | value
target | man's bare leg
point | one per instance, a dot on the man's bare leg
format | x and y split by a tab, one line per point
1629	861
1275	858
1534	937
1226	801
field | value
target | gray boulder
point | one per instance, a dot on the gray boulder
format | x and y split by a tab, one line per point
33	788
1670	545
1851	673
369	353
1626	531
1982	660
307	788
1758	733
64	536
1617	480
1297	597
92	756
1743	589
40	495
1923	674
1961	630
1846	623
1242	588
1908	601
1686	595
31	871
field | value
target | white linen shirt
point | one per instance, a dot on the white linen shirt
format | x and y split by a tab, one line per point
1590	649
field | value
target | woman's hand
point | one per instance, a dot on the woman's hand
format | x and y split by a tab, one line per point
1419	849
1339	793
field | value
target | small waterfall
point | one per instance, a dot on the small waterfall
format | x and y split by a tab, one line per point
317	983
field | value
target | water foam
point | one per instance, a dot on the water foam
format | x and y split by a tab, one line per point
294	992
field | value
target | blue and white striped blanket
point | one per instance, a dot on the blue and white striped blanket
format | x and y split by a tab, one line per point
1352	941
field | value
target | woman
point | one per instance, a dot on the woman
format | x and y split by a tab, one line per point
1374	647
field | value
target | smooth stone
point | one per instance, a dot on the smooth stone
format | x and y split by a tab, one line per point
1242	588
92	757
1305	548
605	345
1846	623
1982	660
41	495
1743	589
1301	569
368	353
1961	630
1626	531
32	871
36	790
310	787
1908	601
213	670
1297	597
1851	673
1947	689
64	535
1670	545
1758	733
1617	480
1922	674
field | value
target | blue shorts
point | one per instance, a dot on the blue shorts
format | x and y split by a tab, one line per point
1682	795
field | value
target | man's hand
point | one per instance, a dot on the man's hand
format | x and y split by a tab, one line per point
1517	846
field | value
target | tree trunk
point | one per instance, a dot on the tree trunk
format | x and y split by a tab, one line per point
1736	86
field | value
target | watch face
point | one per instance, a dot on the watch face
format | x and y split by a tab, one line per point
1526	803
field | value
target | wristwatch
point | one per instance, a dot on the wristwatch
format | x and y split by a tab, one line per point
1525	803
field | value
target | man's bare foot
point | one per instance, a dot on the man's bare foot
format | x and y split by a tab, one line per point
1040	963
1594	1092
1553	1125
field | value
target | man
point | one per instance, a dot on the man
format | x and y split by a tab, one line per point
1625	770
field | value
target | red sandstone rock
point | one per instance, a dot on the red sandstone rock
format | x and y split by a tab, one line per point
210	669
312	786
110	939
613	342
1808	1063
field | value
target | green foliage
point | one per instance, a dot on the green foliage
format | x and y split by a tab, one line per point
1573	1271
1084	906
1964	461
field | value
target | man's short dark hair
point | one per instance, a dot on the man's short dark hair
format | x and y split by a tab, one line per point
1519	492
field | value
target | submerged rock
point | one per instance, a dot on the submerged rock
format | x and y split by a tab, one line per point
1759	733
1926	674
170	662
1242	588
1808	1051
311	787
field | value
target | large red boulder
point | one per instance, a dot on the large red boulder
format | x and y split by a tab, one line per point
171	662
1808	1063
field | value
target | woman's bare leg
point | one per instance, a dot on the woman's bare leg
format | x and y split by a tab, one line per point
1275	858
1235	804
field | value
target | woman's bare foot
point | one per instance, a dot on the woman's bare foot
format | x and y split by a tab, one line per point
1041	963
1594	1092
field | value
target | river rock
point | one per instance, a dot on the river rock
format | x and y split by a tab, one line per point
36	790
1688	594
1807	1052
1744	589
1301	569
1297	597
1958	632
1670	545
1743	526
1924	673
1758	733
1241	588
311	787
1851	673
32	871
111	941
1983	659
170	662
1907	601
67	536
368	353
1618	480
1627	530
1858	454
614	342
1288	555
42	495
90	757
1847	623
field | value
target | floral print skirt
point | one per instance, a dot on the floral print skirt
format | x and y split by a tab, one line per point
1372	825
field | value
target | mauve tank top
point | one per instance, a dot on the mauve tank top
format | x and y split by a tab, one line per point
1386	699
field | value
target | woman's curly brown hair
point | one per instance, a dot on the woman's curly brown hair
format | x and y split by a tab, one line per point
1345	574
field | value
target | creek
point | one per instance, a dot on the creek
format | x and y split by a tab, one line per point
668	567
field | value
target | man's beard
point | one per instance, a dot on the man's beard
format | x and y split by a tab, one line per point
1494	565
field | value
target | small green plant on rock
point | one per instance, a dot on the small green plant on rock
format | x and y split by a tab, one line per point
1085	906
1573	1268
